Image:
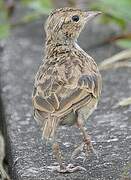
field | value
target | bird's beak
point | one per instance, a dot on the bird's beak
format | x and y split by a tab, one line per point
92	14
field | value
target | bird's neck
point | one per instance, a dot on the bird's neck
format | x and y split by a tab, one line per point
58	46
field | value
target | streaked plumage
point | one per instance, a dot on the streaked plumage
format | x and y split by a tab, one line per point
68	83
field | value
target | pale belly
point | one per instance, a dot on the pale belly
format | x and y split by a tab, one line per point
83	113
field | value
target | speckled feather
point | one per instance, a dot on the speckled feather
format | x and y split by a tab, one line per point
68	80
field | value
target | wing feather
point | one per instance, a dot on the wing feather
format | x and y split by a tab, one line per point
57	89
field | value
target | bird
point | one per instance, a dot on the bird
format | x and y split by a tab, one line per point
68	83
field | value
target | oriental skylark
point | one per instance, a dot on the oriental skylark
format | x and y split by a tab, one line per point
68	83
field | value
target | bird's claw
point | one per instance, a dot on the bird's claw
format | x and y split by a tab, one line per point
78	150
68	169
71	168
86	148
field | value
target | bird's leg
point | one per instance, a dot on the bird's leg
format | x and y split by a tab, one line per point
58	155
86	146
62	168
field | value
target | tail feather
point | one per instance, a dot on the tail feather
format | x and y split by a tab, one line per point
47	122
50	126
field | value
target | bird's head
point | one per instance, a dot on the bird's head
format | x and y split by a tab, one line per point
65	24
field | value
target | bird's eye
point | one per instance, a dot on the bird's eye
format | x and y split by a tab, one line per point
75	18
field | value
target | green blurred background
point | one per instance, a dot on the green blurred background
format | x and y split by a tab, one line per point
115	12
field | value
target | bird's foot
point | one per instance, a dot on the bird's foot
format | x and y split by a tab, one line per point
67	169
85	147
88	148
3	174
77	151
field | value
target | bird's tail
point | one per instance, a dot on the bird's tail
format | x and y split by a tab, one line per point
50	126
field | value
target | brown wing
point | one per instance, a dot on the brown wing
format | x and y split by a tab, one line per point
91	83
58	87
45	89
